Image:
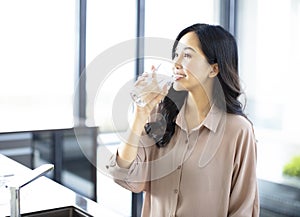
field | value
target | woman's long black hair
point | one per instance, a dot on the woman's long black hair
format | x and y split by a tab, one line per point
220	47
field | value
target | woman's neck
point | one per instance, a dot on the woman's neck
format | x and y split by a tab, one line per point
197	108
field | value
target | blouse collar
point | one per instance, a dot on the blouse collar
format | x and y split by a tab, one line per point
211	121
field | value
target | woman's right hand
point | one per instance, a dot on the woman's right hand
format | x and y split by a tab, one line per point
127	151
152	95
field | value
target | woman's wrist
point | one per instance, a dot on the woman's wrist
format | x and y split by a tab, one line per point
138	122
127	151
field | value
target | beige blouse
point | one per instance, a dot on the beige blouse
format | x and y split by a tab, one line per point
207	172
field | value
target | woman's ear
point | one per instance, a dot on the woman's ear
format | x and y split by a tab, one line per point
215	70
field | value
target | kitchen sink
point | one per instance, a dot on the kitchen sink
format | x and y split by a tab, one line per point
69	211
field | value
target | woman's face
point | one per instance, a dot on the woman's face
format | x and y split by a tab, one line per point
192	70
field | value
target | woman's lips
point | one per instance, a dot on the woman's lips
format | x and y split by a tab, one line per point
179	76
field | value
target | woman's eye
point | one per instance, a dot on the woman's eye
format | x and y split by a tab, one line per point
186	55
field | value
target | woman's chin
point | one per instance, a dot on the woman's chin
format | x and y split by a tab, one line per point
178	87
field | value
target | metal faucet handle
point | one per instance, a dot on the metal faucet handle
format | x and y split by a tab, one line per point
20	182
34	174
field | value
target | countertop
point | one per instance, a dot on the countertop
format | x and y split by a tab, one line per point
43	193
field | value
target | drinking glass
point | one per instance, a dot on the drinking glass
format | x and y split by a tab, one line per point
153	83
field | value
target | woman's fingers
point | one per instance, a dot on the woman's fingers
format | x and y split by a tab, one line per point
148	88
142	80
154	97
154	101
154	74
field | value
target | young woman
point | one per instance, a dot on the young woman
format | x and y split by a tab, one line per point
193	151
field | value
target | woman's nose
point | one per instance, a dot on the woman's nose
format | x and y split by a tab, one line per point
176	68
177	65
178	62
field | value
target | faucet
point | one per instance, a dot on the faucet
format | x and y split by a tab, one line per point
17	184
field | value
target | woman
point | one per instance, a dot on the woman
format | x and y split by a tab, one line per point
193	152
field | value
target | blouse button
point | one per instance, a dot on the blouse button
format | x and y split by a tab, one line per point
186	141
176	191
179	167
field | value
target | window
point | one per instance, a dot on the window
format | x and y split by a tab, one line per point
37	64
269	45
110	65
167	18
110	62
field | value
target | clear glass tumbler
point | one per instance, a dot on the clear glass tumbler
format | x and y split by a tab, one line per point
153	83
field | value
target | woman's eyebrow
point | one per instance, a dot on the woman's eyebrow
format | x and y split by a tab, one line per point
189	48
186	48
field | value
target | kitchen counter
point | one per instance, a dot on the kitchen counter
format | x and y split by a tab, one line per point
43	194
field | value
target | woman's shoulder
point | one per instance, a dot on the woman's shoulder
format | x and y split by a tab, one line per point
238	122
240	129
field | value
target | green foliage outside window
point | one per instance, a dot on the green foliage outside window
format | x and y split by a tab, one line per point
292	168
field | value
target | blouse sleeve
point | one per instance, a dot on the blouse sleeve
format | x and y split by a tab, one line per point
244	200
135	178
